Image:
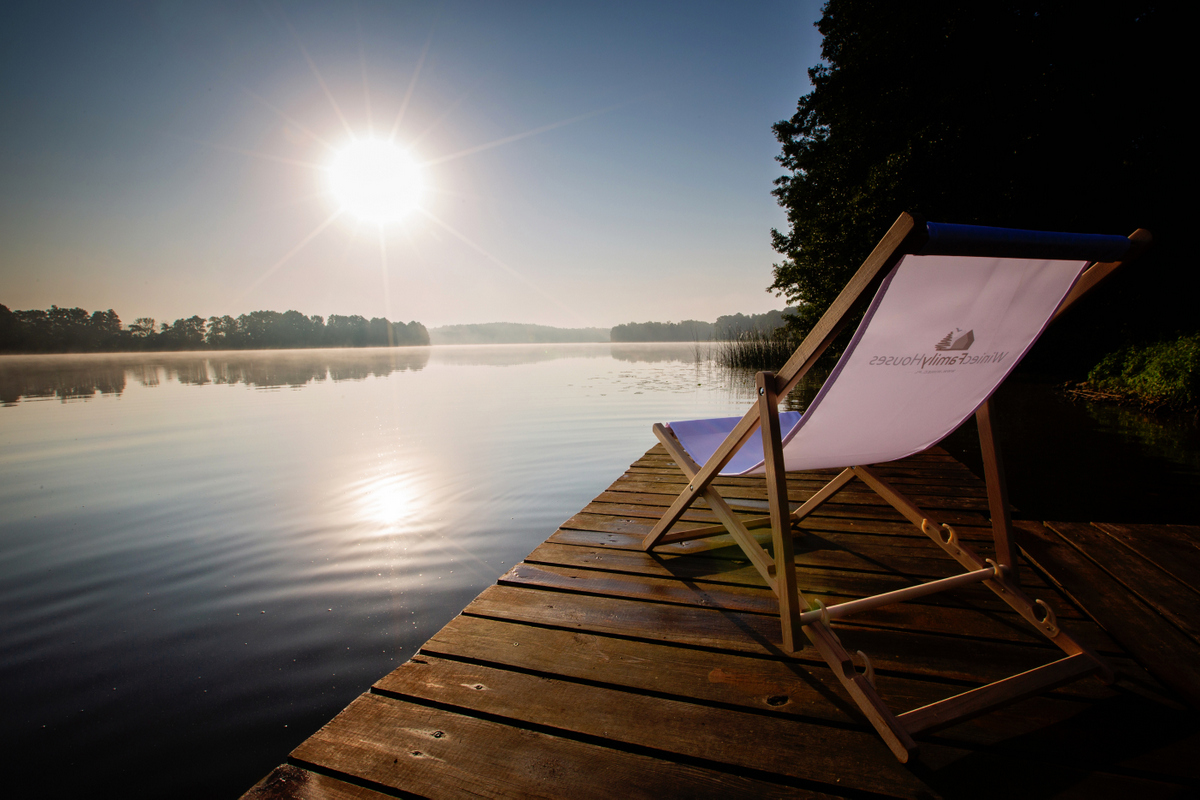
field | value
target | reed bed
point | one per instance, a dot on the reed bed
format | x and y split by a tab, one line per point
756	350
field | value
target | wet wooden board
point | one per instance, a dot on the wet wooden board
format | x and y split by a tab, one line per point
593	669
1128	578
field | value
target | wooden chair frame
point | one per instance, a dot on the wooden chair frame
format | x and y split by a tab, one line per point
801	615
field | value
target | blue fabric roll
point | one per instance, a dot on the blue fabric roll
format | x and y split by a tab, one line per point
977	240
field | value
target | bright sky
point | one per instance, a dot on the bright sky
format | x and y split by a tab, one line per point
583	164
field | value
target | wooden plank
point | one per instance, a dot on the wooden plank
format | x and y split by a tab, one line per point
937	483
913	653
288	782
1176	602
1033	727
848	520
1175	549
904	539
731	679
702	514
847	496
1167	653
961	511
986	698
826	551
937	477
947	621
721	738
932	466
832	582
813	552
436	753
778	687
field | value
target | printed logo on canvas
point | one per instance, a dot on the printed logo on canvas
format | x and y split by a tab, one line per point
950	342
950	351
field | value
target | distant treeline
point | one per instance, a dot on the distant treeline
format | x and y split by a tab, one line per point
514	333
74	330
693	330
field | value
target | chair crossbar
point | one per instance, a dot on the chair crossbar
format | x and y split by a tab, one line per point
985	698
843	610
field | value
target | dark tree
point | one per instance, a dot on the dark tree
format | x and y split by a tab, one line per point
185	334
72	330
689	330
222	333
1042	115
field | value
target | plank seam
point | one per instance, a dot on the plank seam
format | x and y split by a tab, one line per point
928	601
640	749
949	685
848	623
382	788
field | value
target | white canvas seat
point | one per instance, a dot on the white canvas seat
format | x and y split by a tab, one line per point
950	310
995	307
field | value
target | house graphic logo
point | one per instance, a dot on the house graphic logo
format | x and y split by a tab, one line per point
951	354
956	340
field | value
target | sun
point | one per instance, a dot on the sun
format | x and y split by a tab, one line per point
376	181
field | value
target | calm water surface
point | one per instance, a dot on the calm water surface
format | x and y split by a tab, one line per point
204	557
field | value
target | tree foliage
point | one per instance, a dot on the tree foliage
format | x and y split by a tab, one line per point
727	327
1042	115
72	330
1160	375
689	330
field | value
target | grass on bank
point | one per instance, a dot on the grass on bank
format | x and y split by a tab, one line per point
1163	375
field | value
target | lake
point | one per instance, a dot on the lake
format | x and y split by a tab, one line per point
205	556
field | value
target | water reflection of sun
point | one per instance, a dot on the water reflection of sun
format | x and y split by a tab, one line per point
388	501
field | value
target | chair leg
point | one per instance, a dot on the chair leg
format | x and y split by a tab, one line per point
781	519
997	489
862	691
686	465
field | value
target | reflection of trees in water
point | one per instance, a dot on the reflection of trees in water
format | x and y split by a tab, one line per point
145	374
741	382
686	352
22	377
297	368
265	371
510	355
193	372
1174	436
356	365
82	376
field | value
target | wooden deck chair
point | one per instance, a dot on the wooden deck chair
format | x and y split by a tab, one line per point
950	311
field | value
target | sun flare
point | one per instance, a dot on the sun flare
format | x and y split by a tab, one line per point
376	181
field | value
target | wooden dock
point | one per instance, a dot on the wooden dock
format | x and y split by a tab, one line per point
593	669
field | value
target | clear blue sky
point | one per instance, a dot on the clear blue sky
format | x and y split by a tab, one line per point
587	163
